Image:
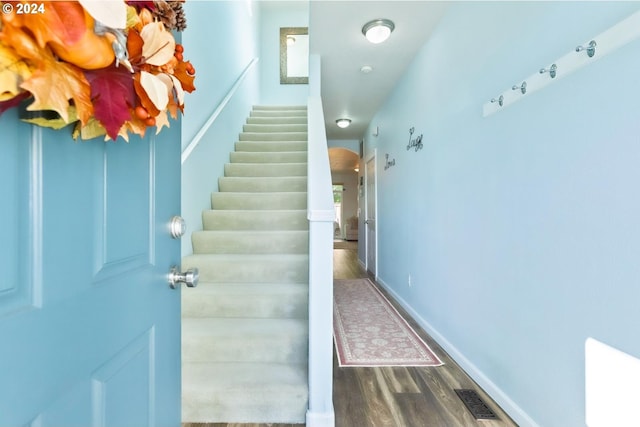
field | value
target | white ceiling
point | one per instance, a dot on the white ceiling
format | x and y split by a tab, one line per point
335	31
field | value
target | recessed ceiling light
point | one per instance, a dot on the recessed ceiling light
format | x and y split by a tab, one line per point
378	30
343	123
366	69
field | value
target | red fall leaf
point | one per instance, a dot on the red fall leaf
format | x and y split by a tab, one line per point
113	95
139	4
13	102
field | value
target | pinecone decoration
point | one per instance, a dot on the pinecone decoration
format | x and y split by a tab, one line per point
171	14
164	13
181	17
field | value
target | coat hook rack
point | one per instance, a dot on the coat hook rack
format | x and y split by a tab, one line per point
615	37
522	87
553	70
590	48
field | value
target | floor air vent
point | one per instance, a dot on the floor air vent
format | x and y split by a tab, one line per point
475	405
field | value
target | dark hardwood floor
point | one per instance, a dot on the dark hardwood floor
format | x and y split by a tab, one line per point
403	396
397	396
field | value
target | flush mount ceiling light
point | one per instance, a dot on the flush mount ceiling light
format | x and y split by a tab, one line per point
343	123
366	69
378	30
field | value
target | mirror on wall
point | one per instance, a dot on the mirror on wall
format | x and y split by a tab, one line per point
294	55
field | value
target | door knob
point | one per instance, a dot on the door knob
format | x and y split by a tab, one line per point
189	277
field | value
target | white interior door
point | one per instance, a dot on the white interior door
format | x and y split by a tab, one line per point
370	221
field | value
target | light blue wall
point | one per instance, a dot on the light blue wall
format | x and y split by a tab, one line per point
220	53
520	230
275	15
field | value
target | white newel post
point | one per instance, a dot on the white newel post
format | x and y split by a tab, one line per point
320	213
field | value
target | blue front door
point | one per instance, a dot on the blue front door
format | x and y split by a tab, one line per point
89	328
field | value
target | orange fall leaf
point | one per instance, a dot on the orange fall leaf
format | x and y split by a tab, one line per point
53	83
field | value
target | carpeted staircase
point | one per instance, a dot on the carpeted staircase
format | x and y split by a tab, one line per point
245	327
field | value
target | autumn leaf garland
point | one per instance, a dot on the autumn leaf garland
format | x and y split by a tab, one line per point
109	70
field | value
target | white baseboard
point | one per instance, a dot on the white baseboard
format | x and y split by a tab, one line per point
509	406
321	419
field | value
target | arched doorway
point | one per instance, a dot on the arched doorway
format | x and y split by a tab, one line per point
344	173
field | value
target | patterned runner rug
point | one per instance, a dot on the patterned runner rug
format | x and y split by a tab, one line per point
369	331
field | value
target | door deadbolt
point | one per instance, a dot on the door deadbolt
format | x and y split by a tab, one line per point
177	227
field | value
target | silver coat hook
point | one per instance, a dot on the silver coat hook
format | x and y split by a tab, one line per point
591	48
551	70
500	100
522	87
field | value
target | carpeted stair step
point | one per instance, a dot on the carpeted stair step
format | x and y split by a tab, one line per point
245	340
270	146
250	242
253	201
255	220
243	184
244	392
273	136
269	157
275	128
279	107
241	268
265	169
282	113
297	120
261	300
279	112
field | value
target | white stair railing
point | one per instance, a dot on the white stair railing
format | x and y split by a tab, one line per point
321	215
